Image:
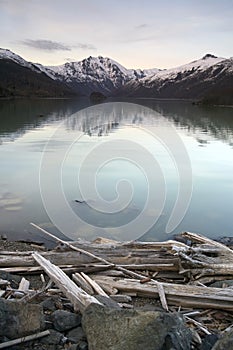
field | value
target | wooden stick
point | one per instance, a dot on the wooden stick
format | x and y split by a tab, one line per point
72	246
129	273
198	324
24	285
79	298
176	294
82	283
94	285
201	239
24	339
162	296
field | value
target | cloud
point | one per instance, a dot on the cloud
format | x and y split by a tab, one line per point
85	46
141	26
48	45
10	201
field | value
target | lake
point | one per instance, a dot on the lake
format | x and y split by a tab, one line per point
134	169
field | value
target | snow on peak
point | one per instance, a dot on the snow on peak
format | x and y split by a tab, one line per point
9	55
97	69
196	66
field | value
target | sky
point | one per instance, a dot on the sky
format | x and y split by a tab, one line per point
136	33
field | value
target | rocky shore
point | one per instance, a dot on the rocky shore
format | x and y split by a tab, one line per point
151	295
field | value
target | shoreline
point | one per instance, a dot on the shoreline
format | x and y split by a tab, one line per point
143	280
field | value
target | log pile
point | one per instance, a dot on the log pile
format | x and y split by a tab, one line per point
178	275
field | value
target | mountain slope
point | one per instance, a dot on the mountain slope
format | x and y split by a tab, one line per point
96	74
209	79
189	81
20	78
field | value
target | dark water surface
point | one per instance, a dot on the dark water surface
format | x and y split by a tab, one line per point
96	145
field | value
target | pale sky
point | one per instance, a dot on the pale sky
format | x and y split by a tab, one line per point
136	33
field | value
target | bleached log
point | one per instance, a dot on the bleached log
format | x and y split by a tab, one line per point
94	285
198	324
162	295
87	253
211	279
10	343
24	285
214	270
80	250
176	294
69	269
152	267
79	298
82	283
201	239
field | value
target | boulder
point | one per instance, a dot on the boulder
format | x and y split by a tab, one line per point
54	338
225	342
13	279
18	320
114	329
209	341
76	334
97	97
82	345
50	304
64	320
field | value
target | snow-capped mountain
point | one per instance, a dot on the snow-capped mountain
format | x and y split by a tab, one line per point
209	76
21	78
186	69
193	80
6	54
96	73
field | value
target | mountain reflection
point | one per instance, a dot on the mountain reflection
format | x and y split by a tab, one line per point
202	122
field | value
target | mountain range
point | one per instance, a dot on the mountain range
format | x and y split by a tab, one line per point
209	79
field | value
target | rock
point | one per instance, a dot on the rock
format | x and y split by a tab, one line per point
54	338
82	345
225	342
113	329
73	347
68	306
209	341
76	334
17	320
65	320
97	97
49	304
109	302
13	279
228	241
121	298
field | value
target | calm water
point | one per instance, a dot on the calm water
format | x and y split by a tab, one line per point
116	170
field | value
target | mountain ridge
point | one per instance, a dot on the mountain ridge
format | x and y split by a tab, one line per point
20	78
200	79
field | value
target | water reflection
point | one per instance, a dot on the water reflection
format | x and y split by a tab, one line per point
19	116
102	121
204	121
26	125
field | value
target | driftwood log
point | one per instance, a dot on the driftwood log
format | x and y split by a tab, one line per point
79	298
173	272
189	296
